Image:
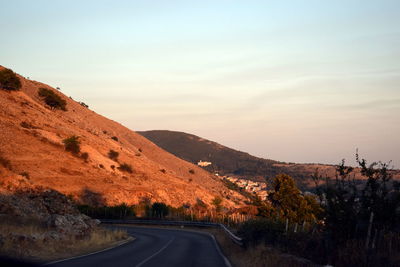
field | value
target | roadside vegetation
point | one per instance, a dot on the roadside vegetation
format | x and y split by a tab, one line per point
343	223
29	239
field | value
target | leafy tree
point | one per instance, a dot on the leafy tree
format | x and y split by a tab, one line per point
288	201
52	99
9	80
72	144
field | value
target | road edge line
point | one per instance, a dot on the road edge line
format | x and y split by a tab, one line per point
155	254
130	239
226	260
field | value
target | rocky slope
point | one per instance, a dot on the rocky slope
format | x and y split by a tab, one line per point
31	146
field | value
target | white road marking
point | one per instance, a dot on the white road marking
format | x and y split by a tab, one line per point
226	261
155	254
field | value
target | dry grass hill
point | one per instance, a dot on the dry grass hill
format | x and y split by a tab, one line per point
32	153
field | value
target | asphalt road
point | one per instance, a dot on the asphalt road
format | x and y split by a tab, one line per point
157	247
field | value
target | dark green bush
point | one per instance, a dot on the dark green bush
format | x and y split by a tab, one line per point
9	80
114	138
113	155
52	99
191	171
125	168
72	144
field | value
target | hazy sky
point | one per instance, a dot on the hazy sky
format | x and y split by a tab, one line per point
300	81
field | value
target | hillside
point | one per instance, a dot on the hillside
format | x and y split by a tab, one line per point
32	151
227	161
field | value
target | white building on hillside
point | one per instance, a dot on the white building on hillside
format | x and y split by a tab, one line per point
204	163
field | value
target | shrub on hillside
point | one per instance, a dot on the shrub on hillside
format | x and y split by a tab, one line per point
52	99
72	144
9	80
85	156
25	174
125	168
114	138
113	155
83	104
5	162
27	125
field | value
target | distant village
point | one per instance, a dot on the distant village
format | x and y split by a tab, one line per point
258	188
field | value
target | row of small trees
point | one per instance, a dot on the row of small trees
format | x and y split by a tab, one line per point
157	210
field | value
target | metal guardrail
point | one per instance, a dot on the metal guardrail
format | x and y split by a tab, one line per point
237	240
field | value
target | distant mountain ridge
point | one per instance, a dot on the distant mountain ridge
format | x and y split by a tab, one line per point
193	149
227	161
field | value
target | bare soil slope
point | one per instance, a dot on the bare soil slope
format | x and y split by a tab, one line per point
31	135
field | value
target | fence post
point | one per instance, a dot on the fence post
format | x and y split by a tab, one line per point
287	224
371	218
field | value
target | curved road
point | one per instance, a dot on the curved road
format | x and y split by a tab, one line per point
157	247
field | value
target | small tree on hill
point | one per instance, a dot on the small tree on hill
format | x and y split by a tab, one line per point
9	80
289	203
113	155
52	99
217	201
125	167
72	144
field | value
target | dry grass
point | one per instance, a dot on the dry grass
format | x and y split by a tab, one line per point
99	239
24	240
260	255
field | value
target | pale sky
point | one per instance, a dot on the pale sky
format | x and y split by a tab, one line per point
296	81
